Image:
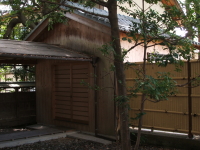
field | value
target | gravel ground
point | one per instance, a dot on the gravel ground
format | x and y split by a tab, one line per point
69	143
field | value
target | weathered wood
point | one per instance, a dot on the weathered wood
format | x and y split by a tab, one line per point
38	30
62	98
57	72
9	61
58	102
90	23
80	113
17	108
59	112
81	38
37	50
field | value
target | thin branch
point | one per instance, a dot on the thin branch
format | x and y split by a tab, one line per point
184	85
102	3
8	16
139	44
10	27
134	46
49	11
77	8
137	5
154	101
153	45
148	7
35	4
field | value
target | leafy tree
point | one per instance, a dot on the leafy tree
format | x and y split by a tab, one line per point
192	13
158	29
153	28
25	15
4	71
20	73
28	13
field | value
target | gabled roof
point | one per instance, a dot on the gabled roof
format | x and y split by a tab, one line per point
12	49
124	22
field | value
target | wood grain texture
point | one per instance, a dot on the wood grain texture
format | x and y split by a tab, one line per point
80	38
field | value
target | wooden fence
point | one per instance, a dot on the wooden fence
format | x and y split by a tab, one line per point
173	114
17	108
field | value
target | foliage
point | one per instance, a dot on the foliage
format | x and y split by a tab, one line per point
154	29
93	87
23	16
151	30
155	89
20	73
4	70
191	18
24	74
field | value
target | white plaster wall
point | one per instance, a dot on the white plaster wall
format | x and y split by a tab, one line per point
158	7
137	54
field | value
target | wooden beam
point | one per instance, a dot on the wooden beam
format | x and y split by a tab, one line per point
18	61
37	30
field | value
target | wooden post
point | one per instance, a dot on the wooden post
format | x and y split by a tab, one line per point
16	101
190	135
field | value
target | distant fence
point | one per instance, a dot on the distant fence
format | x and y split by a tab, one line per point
173	114
17	108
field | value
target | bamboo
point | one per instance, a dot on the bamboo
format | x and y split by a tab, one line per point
175	110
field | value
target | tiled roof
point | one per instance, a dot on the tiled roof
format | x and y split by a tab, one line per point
123	21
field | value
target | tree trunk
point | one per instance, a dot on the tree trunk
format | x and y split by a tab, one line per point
144	78
120	76
22	17
137	144
10	27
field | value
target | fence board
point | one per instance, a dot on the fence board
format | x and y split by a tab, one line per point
172	114
17	108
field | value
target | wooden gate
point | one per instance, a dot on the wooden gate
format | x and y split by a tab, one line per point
70	98
172	114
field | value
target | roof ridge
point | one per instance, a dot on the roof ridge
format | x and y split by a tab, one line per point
123	20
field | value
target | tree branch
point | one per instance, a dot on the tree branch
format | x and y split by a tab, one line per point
153	45
10	27
134	46
35	4
77	8
102	3
23	19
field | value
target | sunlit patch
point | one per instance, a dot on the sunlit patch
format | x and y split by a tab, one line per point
13	85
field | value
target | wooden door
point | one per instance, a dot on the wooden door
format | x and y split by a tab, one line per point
70	97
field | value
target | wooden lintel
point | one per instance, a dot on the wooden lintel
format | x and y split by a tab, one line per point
18	61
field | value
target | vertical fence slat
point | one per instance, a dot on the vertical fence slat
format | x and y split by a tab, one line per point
172	114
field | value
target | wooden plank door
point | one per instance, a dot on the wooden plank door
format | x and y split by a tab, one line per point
70	97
